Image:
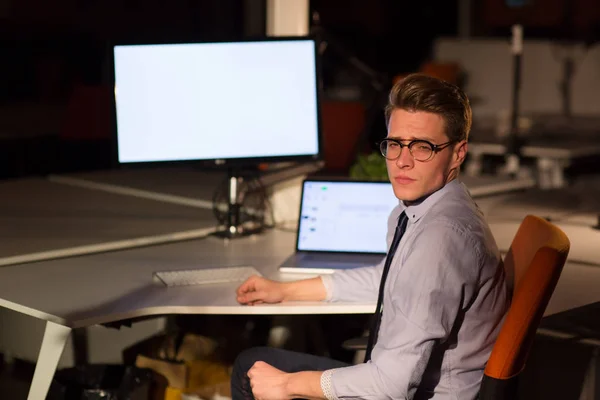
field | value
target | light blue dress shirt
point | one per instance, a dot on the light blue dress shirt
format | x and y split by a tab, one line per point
444	302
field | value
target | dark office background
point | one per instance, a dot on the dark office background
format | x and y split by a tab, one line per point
54	80
55	113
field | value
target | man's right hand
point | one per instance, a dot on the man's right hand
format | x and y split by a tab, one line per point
258	290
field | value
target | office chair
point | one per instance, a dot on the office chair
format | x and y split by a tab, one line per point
534	262
536	257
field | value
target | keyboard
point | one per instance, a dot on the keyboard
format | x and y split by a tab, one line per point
204	276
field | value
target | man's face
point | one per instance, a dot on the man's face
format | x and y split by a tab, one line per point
412	179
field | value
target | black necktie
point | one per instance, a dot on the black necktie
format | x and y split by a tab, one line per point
400	228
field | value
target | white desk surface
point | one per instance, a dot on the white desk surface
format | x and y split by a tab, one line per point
578	204
108	287
86	290
480	186
40	215
37	215
178	181
197	184
575	210
552	148
187	182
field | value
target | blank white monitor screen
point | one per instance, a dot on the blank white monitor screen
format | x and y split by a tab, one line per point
216	101
345	216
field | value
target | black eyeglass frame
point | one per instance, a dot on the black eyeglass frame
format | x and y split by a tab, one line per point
435	148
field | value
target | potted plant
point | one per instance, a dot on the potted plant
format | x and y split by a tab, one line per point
369	167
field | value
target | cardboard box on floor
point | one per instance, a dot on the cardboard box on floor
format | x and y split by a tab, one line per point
188	364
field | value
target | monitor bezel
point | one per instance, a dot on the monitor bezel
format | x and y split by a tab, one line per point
230	163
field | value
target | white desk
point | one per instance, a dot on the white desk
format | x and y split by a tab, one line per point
186	182
576	210
41	219
115	286
484	186
88	213
101	288
118	285
199	185
552	157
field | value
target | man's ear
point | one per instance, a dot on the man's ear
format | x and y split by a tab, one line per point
460	152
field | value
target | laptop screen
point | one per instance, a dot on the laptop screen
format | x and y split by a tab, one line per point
345	216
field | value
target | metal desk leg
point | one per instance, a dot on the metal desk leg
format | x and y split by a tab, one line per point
558	173
53	344
590	389
596	376
551	172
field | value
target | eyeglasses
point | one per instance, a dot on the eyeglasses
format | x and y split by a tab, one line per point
421	150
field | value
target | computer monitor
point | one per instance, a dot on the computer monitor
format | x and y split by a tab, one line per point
230	104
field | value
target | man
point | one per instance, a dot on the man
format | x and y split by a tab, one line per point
441	291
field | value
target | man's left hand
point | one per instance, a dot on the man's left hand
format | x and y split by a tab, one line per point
267	382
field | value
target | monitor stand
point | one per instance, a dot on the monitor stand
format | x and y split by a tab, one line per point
234	227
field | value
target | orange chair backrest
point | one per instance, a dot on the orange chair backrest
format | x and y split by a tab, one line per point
536	257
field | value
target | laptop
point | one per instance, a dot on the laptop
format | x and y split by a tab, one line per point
342	225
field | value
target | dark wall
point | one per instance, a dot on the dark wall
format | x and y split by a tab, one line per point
45	46
391	36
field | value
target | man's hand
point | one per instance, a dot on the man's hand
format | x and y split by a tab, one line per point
258	290
268	383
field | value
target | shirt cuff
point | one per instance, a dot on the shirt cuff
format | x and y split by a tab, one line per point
328	283
326	386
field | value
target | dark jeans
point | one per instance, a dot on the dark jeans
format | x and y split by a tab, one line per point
285	360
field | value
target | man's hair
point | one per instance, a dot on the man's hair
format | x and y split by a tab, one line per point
418	92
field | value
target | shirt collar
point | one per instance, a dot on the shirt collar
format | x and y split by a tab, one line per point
415	211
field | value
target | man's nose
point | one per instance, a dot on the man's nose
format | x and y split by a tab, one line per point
406	159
